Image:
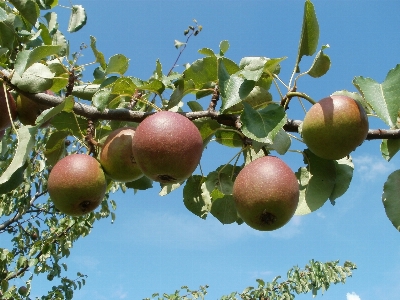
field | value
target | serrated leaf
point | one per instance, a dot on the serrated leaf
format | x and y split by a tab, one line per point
123	86
13	176
224	209
391	199
27	58
37	78
99	55
258	98
158	70
223	47
28	9
252	68
77	18
383	98
117	63
262	125
344	173
320	65
143	183
196	197
69	121
309	33
155	86
389	148
168	188
101	98
316	182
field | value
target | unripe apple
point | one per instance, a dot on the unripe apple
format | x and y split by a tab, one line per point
28	110
167	147
266	193
77	184
116	156
334	127
5	121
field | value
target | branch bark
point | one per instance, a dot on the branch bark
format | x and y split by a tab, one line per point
92	112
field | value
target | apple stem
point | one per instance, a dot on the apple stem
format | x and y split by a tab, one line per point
301	95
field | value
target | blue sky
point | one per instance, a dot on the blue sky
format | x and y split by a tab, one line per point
155	244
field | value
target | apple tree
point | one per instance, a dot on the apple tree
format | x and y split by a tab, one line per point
139	132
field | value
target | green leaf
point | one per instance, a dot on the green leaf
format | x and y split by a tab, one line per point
37	78
70	122
383	98
118	63
101	98
86	91
389	148
47	4
155	86
143	183
77	18
320	66
55	147
222	179
344	173
316	182
178	44
263	125
223	47
168	188
196	197
7	36
391	199
12	176
28	9
27	58
99	55
3	15
207	128
258	98
67	105
123	86
281	142
207	52
228	138
224	209
182	88
195	106
233	90
309	33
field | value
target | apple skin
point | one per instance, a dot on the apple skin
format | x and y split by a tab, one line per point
116	156
5	121
77	184
334	127
29	110
167	147
266	193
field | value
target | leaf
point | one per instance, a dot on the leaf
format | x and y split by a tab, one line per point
309	33
37	78
224	209
168	188
86	91
252	68
316	182
123	86
223	47
101	98
195	106
182	88
389	148
264	124
383	98
99	55
222	179
207	128
207	52
28	9
391	199
344	173
13	175
281	143
196	197
77	18
69	121
27	58
155	86
55	147
143	183
118	63
6	36
258	98
228	138
67	105
320	66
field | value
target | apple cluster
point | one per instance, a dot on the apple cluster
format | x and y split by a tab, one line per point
167	147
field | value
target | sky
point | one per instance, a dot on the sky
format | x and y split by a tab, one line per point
156	244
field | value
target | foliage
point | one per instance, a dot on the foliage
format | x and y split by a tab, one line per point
35	57
314	277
